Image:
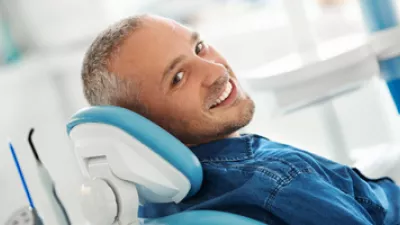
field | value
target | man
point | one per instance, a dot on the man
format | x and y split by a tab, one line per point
165	72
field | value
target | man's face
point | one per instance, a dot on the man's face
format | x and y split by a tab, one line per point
187	87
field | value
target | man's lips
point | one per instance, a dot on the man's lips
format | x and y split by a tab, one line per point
230	98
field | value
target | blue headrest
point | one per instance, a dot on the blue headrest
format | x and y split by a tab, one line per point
149	134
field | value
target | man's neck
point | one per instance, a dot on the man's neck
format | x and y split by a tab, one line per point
232	135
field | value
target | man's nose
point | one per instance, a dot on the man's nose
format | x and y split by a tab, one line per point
211	71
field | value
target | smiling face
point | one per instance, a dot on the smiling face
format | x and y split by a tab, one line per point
186	86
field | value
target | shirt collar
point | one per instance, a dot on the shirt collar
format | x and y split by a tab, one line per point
225	150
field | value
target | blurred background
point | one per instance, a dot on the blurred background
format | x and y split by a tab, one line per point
42	43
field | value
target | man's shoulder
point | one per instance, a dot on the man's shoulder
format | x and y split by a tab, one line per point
281	156
257	156
268	160
267	150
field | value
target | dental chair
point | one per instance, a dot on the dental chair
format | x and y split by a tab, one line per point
128	161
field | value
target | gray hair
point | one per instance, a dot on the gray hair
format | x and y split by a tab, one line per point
102	87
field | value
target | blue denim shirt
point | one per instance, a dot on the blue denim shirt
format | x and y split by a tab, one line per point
279	184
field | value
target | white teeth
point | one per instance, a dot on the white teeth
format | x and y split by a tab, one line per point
224	95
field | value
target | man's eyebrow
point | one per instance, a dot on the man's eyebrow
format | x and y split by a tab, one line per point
172	65
195	37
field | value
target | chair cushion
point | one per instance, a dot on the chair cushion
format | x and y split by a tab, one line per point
149	134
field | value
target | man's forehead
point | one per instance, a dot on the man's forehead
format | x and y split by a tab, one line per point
157	22
149	49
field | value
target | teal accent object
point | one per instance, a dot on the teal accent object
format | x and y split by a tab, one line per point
148	133
202	218
10	51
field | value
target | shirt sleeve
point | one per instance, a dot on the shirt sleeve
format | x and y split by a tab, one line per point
308	199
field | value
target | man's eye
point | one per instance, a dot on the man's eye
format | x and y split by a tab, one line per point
199	47
177	78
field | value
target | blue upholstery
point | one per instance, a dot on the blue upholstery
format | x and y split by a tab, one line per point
148	133
201	218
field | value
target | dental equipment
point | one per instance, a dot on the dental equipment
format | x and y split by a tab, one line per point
382	21
129	161
24	216
336	67
344	64
47	183
28	215
21	175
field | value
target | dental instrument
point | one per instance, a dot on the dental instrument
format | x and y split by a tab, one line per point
23	216
32	215
29	215
48	185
